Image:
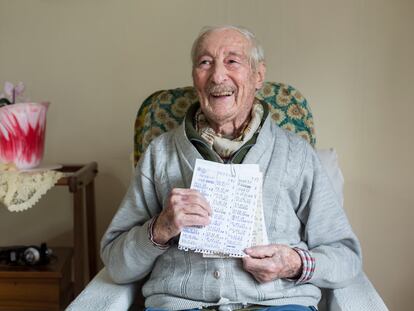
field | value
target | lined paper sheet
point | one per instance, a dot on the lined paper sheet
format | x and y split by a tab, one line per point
233	191
259	230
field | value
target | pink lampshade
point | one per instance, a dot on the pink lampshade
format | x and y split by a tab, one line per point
22	134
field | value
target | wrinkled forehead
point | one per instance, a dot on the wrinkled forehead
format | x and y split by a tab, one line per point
223	42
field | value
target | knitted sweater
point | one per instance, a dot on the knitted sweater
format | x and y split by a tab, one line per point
300	208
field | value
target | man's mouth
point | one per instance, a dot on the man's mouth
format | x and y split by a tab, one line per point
221	90
221	94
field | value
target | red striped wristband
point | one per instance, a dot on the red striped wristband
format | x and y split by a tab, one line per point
308	265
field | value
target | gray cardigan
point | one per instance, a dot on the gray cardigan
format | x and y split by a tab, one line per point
300	207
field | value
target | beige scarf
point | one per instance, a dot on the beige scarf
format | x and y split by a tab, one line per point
226	147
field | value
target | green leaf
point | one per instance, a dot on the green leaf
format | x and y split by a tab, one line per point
4	102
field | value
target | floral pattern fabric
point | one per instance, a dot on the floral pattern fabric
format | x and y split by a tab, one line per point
165	110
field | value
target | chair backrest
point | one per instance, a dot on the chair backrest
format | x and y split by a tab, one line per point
165	110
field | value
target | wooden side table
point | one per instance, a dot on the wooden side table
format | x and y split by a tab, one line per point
38	288
80	180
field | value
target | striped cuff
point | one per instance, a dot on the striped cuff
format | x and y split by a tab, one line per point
308	265
151	235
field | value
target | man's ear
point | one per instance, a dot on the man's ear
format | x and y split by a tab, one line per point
260	72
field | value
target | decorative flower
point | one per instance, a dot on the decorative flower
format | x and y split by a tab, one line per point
268	91
191	95
298	96
284	97
278	116
171	124
155	132
295	112
309	123
180	107
183	103
165	98
161	116
11	93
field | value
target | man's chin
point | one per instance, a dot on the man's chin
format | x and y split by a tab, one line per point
220	113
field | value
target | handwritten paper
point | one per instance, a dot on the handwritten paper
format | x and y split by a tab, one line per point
259	230
233	191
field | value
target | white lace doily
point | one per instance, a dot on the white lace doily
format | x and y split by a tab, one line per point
21	190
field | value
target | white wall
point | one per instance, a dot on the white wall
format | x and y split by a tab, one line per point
97	60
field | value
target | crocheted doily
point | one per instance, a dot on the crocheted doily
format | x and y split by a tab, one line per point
21	190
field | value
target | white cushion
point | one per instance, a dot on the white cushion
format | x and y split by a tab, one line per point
329	160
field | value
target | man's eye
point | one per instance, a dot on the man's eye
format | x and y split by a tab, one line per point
205	62
233	62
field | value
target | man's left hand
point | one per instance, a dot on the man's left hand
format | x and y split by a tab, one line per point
271	262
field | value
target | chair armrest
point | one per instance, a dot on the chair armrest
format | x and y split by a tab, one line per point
359	295
104	295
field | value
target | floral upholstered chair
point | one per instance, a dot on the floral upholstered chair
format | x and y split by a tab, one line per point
165	110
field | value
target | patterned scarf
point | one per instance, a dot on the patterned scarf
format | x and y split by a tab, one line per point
226	147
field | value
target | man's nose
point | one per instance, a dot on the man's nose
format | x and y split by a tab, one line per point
219	74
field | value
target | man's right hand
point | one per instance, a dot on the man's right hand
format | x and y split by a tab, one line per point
185	208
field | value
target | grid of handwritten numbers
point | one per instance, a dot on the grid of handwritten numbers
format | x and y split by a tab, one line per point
233	198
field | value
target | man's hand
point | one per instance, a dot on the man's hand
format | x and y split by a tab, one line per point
185	208
270	262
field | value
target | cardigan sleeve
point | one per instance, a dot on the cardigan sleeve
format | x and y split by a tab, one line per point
126	248
326	229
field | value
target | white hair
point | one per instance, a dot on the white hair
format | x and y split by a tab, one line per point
256	52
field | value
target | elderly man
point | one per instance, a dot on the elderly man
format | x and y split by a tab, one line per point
311	242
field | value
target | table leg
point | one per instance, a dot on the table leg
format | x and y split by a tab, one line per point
78	245
91	228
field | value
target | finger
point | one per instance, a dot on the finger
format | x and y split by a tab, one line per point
191	220
201	214
255	264
197	198
261	251
192	196
179	207
172	224
183	191
192	209
187	192
185	215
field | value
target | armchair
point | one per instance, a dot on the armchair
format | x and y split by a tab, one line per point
163	111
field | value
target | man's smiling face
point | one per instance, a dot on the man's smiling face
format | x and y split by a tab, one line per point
223	77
